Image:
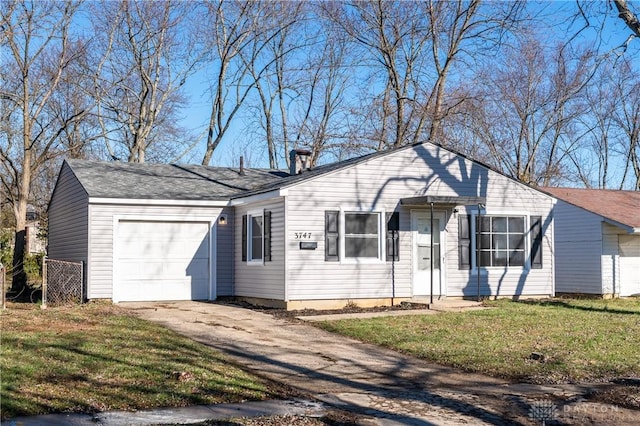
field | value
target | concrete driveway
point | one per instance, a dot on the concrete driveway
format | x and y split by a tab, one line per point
385	386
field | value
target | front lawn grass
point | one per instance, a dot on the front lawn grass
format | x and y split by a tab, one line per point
97	357
579	340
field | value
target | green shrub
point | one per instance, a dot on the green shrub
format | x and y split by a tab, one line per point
6	247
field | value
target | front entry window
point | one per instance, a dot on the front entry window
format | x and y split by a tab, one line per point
424	241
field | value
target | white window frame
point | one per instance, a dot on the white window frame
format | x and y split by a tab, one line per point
250	216
381	237
527	243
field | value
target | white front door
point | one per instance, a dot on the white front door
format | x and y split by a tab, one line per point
629	248
423	240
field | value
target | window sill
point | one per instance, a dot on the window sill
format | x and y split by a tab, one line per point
361	261
500	269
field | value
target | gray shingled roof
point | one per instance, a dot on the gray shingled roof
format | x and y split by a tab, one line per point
191	182
167	181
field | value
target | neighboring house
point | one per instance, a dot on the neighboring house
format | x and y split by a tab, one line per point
597	235
359	230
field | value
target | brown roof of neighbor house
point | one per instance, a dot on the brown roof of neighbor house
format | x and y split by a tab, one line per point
619	206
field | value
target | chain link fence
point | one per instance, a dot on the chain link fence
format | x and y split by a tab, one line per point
62	282
3	286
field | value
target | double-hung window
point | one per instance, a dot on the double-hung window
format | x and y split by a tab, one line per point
256	237
353	235
361	235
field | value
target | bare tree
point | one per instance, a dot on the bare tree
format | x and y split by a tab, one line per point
628	16
414	47
533	99
320	120
626	116
149	51
301	92
234	27
270	65
593	158
39	54
393	39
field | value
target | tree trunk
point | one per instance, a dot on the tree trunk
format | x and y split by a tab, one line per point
19	279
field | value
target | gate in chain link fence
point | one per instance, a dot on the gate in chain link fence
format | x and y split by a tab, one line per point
62	282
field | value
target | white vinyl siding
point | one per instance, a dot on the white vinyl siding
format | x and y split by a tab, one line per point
620	261
266	279
610	259
101	236
578	250
68	219
224	259
629	250
378	185
588	258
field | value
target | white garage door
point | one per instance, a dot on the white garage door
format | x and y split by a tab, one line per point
161	261
629	246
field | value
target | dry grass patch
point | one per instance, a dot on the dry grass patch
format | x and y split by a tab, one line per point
98	357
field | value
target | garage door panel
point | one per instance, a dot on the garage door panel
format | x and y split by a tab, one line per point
162	261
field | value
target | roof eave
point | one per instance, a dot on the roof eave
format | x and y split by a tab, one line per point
254	197
159	202
627	228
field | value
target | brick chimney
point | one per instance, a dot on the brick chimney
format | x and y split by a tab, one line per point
299	161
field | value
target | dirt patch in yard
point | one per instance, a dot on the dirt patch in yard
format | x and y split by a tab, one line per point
347	309
625	394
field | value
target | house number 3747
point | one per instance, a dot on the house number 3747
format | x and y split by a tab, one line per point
302	235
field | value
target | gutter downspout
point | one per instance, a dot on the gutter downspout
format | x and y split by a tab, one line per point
478	245
431	293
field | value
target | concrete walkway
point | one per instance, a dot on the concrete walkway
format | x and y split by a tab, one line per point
179	415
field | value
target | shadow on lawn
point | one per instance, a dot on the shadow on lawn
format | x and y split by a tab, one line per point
559	303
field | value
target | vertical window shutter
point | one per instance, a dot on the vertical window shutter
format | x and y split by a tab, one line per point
267	236
393	236
244	237
464	242
331	236
536	242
